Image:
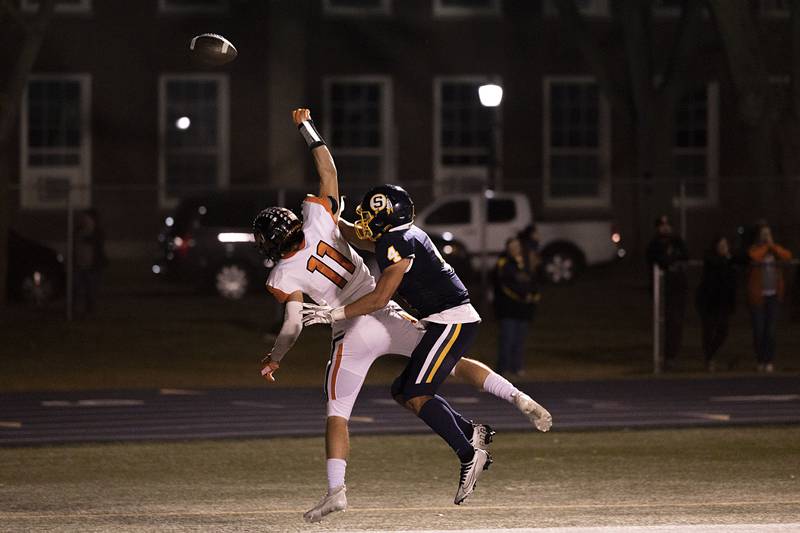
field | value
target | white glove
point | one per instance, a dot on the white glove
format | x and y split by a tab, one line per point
321	314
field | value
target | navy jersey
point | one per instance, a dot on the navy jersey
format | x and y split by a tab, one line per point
431	286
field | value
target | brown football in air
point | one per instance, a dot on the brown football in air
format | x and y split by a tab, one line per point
212	49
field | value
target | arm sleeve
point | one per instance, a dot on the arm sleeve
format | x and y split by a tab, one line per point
292	326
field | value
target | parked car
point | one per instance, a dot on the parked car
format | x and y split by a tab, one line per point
208	241
36	273
566	247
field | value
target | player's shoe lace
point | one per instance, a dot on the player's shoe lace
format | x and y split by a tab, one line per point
538	415
335	500
470	472
482	436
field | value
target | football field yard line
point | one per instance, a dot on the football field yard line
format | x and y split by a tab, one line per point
667	528
5	515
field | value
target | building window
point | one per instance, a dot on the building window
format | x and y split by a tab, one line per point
193	6
667	8
193	135
774	8
462	134
357	7
62	6
590	8
466	8
357	124
695	149
55	145
576	143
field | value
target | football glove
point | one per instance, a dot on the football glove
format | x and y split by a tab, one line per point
321	314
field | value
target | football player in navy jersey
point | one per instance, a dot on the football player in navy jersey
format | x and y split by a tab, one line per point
412	266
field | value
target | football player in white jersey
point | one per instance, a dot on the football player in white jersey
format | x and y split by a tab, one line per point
312	257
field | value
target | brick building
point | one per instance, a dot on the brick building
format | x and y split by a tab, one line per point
393	84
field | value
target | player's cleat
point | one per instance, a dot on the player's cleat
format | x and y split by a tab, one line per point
470	472
336	500
482	436
538	415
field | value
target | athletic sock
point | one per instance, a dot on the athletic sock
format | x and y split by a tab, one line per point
499	386
463	423
440	419
336	468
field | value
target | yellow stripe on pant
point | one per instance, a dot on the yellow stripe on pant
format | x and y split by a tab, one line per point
443	354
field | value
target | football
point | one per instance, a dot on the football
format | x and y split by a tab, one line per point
212	49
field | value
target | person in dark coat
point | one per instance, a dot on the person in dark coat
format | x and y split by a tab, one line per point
669	252
516	296
89	259
716	297
529	239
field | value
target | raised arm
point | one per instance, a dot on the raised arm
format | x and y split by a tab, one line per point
328	178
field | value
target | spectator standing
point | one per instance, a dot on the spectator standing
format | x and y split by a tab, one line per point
716	297
765	290
669	252
515	302
529	238
90	259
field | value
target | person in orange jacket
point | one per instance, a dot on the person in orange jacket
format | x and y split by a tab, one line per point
765	290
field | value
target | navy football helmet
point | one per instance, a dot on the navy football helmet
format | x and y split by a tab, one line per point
276	231
384	207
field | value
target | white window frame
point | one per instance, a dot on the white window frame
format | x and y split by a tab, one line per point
440	10
85	6
711	198
442	174
598	8
387	148
384	9
165	7
603	150
80	176
223	130
771	12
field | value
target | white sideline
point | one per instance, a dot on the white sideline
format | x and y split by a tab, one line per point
669	528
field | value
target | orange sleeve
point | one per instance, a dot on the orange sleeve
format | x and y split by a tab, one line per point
278	294
757	252
324	202
782	252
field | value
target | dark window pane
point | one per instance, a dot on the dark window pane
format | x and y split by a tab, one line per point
501	210
457	212
574	175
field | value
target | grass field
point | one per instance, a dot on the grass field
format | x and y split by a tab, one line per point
149	334
698	476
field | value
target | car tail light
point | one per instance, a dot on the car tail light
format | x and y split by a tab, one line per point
616	236
181	245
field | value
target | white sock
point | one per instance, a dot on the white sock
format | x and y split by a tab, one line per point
499	386
336	468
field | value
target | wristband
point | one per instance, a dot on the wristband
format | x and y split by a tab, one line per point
310	134
337	314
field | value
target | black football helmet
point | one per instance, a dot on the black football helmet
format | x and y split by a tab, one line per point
384	207
276	230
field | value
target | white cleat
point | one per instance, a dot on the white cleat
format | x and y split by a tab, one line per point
336	500
482	436
470	472
538	415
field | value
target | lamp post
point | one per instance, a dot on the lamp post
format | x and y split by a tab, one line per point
490	95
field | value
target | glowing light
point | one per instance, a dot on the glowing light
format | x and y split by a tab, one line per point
183	123
169	221
490	95
489	193
156	269
235	237
616	238
177	242
202	210
447	236
448	249
621	253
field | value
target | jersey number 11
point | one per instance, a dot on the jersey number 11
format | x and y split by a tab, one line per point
315	264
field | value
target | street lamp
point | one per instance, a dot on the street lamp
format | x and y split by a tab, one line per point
490	95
